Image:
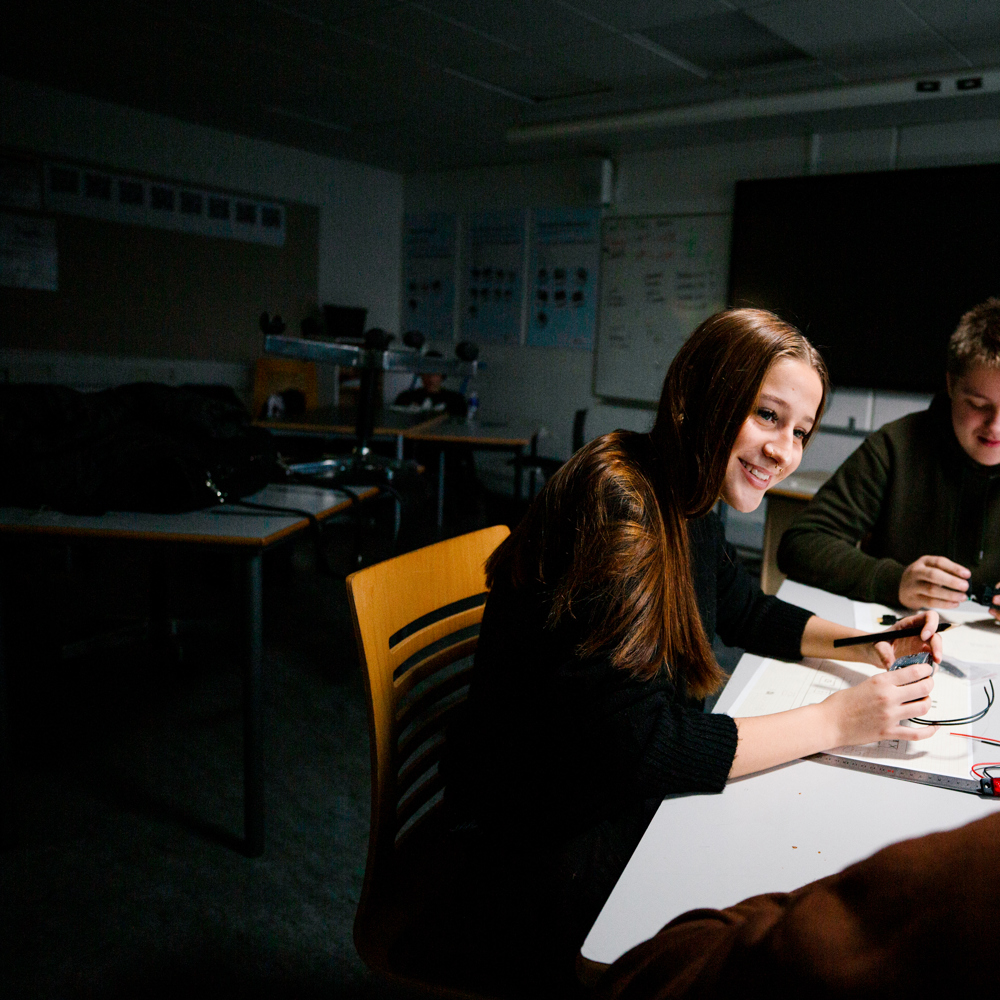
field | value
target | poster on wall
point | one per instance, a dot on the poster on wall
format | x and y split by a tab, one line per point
492	285
565	252
428	275
28	254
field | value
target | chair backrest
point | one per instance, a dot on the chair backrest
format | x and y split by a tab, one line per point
272	375
414	617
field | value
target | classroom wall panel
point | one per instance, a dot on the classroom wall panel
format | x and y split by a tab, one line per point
360	207
148	292
695	179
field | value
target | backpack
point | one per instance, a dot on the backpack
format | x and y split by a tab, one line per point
141	447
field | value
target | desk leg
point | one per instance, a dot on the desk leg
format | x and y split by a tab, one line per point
399	447
253	710
440	496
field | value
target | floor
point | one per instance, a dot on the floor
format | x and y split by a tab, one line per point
128	784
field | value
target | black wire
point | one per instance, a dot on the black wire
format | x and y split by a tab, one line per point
990	696
315	528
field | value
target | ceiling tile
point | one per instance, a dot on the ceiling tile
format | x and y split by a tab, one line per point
523	24
970	25
823	25
607	58
636	15
724	42
880	35
327	13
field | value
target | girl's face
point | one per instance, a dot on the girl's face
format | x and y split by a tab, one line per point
769	445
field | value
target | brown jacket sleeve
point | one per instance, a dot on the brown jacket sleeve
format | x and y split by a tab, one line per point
919	918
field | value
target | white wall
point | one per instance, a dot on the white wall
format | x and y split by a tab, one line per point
360	207
549	385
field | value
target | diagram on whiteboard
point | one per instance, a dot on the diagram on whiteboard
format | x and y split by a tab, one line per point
661	276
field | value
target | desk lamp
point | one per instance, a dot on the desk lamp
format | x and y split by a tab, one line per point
362	466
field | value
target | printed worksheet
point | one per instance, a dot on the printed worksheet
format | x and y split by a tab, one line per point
974	635
778	686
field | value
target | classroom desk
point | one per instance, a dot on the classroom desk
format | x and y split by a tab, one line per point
245	533
484	434
335	423
769	832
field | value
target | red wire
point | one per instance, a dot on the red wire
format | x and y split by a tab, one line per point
990	763
982	739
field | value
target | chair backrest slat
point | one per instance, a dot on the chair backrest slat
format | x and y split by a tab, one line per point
431	695
421	794
413	770
433	723
420	666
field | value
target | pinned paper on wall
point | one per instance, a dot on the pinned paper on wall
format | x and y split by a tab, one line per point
28	254
492	286
661	276
428	275
565	255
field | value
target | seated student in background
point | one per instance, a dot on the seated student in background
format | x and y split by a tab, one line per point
595	651
463	495
431	394
912	518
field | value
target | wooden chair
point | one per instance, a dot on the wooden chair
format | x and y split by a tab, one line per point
272	375
415	617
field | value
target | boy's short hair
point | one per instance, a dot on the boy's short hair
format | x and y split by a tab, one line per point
976	340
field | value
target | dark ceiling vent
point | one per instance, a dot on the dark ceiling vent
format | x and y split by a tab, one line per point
725	43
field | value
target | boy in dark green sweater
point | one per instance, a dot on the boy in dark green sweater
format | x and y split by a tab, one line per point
912	518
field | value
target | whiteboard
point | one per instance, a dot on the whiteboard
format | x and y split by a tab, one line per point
661	275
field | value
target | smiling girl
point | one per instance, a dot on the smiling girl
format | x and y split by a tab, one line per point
595	651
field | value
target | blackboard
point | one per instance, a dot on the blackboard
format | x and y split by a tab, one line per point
661	275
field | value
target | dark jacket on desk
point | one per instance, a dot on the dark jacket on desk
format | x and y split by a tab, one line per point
563	760
910	490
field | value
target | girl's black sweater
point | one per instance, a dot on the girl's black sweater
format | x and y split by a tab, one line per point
562	761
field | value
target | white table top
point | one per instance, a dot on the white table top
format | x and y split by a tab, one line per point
498	432
767	832
223	525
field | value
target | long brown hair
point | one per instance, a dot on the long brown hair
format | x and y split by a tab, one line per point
608	535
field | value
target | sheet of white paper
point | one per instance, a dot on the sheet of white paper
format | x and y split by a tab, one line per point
778	686
974	636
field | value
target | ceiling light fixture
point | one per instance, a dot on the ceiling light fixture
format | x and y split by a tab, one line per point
735	109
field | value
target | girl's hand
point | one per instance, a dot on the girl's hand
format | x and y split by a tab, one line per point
874	710
929	641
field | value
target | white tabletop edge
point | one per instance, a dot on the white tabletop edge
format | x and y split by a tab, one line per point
213	523
789	820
